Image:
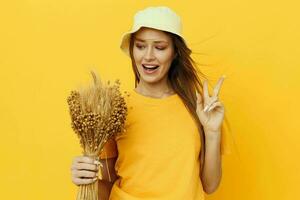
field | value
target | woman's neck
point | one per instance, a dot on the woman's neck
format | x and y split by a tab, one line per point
156	91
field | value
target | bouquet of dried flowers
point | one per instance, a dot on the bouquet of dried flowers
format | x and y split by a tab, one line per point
98	113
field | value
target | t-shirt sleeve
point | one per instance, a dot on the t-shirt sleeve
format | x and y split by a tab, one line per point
110	149
226	140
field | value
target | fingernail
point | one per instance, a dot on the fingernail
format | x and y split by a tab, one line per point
95	179
205	108
209	109
100	164
96	162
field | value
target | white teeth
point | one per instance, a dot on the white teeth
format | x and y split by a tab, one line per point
150	66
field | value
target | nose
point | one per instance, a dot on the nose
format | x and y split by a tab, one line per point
149	54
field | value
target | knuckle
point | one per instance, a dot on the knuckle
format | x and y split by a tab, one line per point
74	173
74	166
76	159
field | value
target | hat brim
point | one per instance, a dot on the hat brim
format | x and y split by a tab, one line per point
125	40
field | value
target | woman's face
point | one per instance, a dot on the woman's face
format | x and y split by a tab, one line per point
153	53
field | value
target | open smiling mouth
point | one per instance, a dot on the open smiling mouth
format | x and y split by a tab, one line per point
150	69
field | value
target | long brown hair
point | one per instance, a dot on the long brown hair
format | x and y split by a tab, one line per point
183	76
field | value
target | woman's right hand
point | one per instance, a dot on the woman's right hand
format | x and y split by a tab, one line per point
84	170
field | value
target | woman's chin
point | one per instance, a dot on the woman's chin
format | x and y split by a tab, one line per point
150	80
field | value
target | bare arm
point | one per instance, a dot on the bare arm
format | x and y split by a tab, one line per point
109	176
212	169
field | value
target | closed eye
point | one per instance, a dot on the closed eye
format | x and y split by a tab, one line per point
160	48
140	46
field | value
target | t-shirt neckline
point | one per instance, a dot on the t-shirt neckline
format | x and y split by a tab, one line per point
153	99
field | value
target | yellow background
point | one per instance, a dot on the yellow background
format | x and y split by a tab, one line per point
48	47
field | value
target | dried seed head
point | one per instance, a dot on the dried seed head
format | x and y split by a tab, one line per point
97	113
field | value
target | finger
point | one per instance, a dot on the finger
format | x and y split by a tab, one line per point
83	181
205	90
84	174
218	86
84	159
199	100
212	100
214	106
85	166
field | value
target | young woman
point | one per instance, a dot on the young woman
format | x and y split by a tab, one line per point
173	144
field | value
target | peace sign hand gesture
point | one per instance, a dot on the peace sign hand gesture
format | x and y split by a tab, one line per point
209	110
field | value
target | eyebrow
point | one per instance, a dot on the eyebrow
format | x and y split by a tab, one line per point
157	41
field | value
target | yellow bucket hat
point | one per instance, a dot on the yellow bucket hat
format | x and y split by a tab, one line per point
160	17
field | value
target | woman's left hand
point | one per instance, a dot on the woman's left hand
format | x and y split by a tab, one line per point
209	109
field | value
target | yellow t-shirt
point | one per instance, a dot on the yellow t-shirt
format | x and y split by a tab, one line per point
158	155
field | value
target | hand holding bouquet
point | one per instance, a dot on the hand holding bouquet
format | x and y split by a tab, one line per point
98	113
